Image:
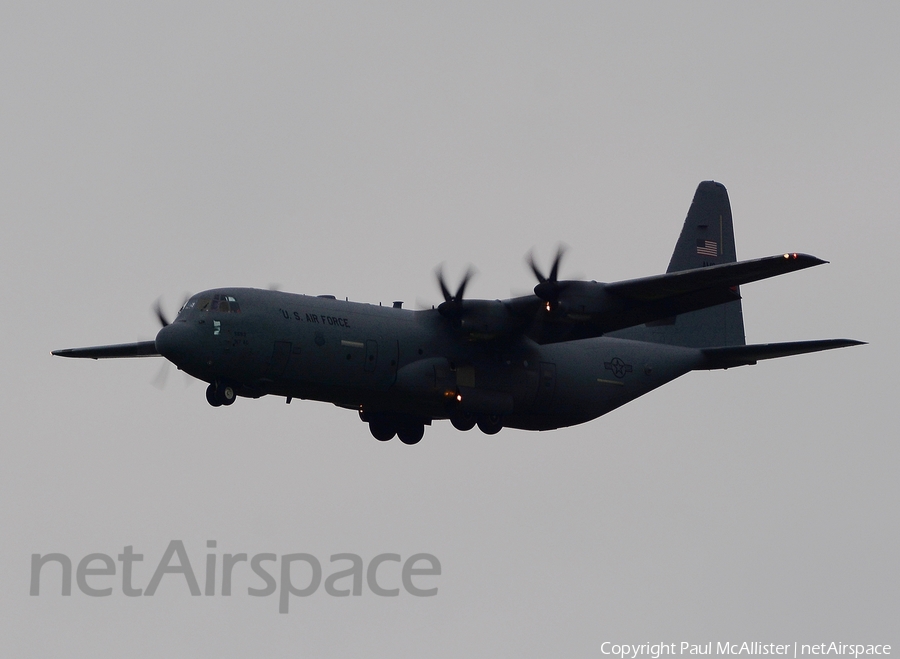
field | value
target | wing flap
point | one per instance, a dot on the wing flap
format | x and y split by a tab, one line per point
139	349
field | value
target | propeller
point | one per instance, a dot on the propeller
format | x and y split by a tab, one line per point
163	374
157	308
549	288
159	314
451	307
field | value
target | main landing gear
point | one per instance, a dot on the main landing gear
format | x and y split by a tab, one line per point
489	424
384	426
219	393
463	421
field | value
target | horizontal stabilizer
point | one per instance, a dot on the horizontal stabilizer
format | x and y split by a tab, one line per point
731	356
139	349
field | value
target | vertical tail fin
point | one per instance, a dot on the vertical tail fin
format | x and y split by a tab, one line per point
707	238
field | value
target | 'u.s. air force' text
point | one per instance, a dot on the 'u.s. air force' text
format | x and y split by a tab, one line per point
318	319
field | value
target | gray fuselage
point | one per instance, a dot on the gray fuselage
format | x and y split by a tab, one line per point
391	360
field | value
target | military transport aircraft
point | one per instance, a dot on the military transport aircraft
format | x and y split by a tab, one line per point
570	353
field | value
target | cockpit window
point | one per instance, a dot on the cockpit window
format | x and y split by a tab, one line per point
220	303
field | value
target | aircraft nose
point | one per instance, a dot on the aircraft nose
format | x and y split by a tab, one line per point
174	342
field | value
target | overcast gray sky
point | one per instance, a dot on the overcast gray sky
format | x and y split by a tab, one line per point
156	150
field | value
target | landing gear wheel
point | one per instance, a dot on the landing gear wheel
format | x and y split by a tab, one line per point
220	394
212	397
411	434
382	430
226	394
490	424
463	421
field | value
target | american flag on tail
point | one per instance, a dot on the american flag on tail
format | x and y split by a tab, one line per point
707	247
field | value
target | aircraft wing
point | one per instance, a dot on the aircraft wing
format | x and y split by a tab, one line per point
139	349
589	309
726	275
730	356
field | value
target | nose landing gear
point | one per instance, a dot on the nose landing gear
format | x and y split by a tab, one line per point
219	393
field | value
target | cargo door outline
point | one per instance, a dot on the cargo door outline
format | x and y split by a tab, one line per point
371	356
546	385
294	364
281	354
384	376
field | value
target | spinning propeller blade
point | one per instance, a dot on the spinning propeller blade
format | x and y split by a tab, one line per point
452	304
159	314
548	288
